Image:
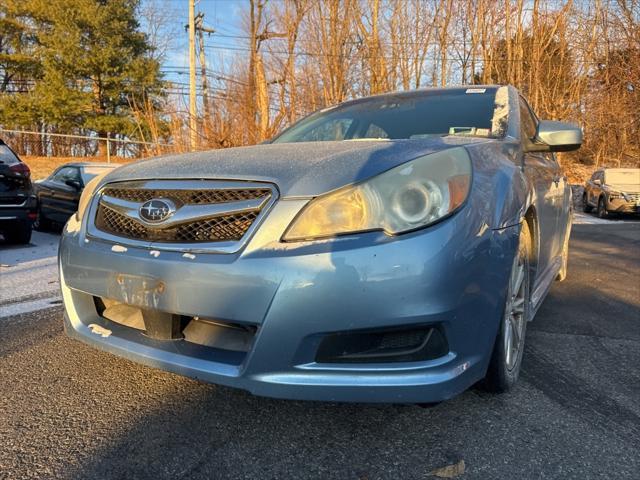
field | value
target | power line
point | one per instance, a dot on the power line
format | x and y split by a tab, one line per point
301	53
211	74
383	43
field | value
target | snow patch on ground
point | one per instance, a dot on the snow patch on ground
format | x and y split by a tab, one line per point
580	218
30	271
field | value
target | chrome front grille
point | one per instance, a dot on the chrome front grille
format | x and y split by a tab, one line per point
633	197
187	196
216	229
208	214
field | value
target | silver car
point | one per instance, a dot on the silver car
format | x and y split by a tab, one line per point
613	190
387	249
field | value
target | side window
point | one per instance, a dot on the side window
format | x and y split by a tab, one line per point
333	130
374	131
528	124
66	173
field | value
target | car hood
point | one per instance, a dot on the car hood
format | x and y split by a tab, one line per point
624	187
298	169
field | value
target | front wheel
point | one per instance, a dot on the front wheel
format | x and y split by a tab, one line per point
41	223
585	204
504	366
602	208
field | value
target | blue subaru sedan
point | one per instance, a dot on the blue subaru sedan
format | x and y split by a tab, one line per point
386	249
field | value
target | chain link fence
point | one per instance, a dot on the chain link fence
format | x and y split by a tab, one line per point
106	149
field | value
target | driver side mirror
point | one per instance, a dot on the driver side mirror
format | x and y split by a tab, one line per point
554	136
74	184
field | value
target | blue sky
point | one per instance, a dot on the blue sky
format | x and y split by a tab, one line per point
224	16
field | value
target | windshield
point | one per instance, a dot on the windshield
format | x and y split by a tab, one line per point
622	177
87	173
417	114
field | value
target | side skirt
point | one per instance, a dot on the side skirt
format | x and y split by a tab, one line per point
543	285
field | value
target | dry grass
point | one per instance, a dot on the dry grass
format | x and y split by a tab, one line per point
41	167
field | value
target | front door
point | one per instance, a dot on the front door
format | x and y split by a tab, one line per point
549	188
58	200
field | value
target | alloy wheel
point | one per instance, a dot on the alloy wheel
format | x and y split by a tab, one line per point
515	313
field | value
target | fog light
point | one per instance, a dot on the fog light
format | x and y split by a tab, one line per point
409	344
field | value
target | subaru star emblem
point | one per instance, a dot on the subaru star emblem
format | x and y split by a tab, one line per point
156	210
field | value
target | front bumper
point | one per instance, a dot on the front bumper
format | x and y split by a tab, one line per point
452	275
620	205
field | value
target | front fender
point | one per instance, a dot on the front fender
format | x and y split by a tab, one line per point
502	193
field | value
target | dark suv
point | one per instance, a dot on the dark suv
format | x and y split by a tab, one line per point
17	201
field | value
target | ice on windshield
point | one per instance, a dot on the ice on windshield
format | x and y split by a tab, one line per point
500	118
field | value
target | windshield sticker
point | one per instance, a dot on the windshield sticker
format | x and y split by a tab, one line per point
476	90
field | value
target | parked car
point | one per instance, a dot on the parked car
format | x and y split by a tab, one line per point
17	202
387	249
59	193
612	190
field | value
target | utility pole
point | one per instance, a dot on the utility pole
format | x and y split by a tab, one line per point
193	121
201	29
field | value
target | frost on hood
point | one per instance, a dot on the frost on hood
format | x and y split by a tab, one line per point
500	112
298	169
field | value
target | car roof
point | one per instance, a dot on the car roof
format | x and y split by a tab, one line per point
617	169
88	164
417	92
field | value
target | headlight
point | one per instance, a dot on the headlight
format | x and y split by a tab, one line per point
407	197
87	194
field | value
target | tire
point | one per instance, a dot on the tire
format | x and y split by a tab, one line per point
19	233
506	358
41	223
602	208
586	208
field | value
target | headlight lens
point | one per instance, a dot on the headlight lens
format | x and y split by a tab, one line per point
87	194
410	196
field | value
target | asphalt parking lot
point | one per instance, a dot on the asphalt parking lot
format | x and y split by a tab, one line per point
68	411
